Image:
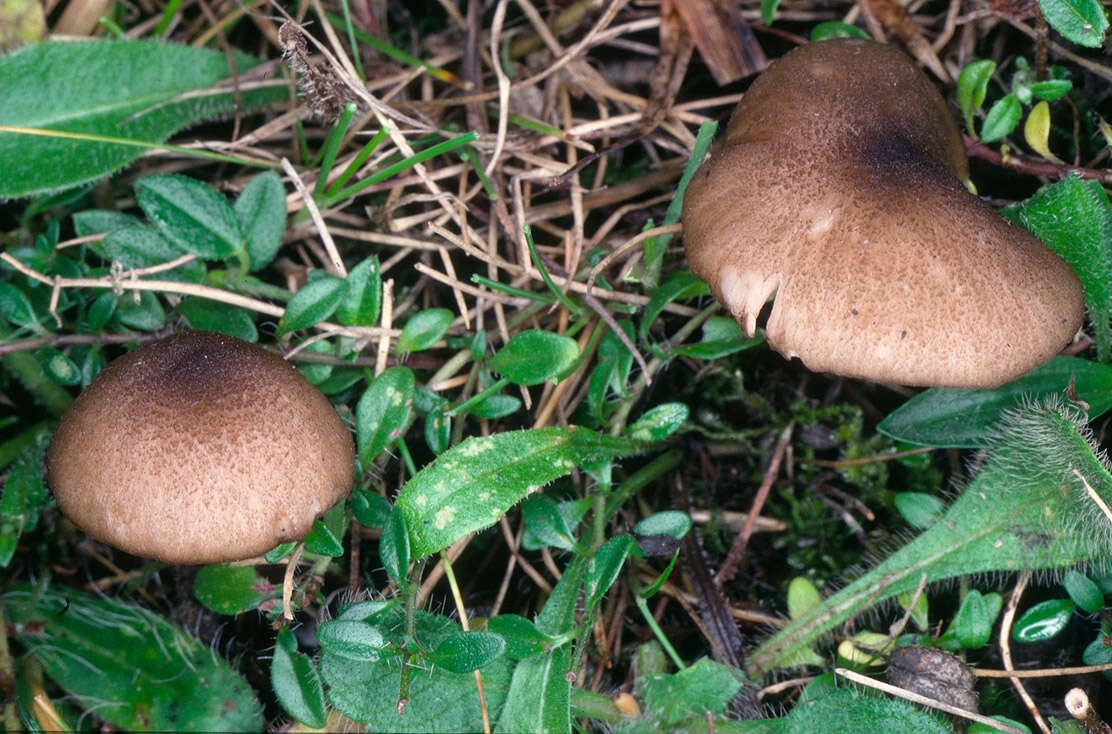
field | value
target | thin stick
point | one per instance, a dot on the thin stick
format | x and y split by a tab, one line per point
1006	650
903	693
1096	498
337	264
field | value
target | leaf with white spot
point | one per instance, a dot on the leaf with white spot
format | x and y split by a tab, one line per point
470	486
383	412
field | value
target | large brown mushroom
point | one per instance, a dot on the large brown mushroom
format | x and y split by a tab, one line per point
199	448
839	188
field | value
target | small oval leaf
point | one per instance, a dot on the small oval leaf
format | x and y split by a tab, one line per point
1043	621
353	640
467	651
383	412
315	302
425	329
532	357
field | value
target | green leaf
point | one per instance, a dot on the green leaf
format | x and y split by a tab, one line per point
369	508
231	589
137	90
539	699
1082	21
296	683
972	88
920	509
803	595
1083	591
846	711
546	523
146	315
423	330
438	431
660	422
144	672
383	411
1001	119
670	522
471	485
142	246
972	625
100	221
496	406
440	701
315	302
721	336
24	497
17	308
394	548
523	639
324	537
953	418
605	566
1043	621
1074	218
705	687
1051	89
363	299
201	313
681	285
261	210
353	640
532	357
467	651
1027	508
768	10
101	310
189	214
836	29
58	366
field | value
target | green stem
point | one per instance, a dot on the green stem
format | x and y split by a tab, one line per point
25	368
644	607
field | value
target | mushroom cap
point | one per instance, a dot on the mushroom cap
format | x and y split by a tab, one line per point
199	448
839	189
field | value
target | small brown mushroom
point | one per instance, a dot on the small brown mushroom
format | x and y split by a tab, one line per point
199	448
839	188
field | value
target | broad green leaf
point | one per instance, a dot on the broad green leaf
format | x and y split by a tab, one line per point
296	682
1037	131
190	214
231	589
920	509
705	687
383	411
471	485
803	596
467	651
1083	591
100	221
423	330
369	508
138	90
24	497
523	639
58	366
17	308
1074	218
201	313
394	549
439	700
670	522
353	640
847	711
972	625
363	300
836	29
539	699
1001	119
972	87
496	406
572	512
953	418
545	522
313	303
532	357
1082	21
659	423
144	672
142	246
324	537
145	315
261	210
1043	621
1032	486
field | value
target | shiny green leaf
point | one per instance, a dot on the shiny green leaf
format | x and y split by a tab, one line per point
1043	621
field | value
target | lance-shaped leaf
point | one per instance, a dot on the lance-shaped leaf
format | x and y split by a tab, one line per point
471	485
